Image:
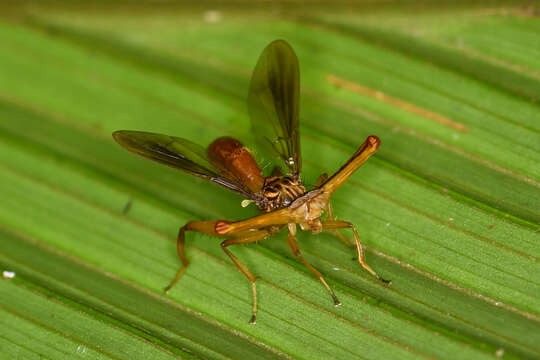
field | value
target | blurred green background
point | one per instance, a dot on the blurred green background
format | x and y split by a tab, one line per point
448	207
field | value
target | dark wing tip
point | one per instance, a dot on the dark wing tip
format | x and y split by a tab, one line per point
121	135
131	139
281	47
278	43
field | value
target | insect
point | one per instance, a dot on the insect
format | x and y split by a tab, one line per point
282	198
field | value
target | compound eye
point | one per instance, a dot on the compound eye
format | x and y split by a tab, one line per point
270	193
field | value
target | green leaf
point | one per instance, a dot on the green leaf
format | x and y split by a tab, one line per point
448	207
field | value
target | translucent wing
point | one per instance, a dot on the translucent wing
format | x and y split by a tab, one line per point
273	106
178	153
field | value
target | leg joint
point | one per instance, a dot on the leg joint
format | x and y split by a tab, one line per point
221	227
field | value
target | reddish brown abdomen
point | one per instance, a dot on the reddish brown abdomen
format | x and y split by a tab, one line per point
236	163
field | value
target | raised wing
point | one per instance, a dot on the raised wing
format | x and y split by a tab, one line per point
178	153
273	106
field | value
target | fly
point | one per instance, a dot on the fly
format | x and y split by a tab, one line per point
282	198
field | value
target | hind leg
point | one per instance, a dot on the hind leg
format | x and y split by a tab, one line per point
204	227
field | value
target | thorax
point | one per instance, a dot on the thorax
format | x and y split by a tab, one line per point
307	210
279	192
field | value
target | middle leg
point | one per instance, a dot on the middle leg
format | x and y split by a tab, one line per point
330	217
252	237
335	224
291	240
